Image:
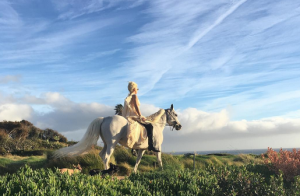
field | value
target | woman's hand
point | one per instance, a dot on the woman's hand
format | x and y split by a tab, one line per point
143	118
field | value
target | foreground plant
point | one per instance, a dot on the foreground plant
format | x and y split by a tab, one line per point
286	161
224	180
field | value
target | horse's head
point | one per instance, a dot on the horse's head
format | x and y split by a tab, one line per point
172	119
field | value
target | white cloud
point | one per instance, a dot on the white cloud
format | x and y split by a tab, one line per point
199	122
214	131
15	112
196	120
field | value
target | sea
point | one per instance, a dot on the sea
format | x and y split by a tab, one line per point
233	152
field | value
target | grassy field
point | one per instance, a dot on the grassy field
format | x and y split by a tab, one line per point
123	158
10	163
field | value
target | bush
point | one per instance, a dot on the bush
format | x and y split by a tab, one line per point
47	182
3	136
28	152
2	151
123	155
224	180
124	169
87	161
171	163
285	161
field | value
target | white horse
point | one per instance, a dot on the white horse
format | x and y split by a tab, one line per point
113	130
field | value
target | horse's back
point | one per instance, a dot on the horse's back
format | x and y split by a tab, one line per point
114	126
116	121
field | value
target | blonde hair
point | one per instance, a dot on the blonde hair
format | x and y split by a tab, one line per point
132	86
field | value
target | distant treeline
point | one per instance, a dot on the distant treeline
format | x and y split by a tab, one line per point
22	136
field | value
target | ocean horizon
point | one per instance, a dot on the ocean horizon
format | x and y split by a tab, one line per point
233	152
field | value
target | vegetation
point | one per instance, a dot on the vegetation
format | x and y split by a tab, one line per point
215	174
118	109
224	180
285	161
23	138
124	159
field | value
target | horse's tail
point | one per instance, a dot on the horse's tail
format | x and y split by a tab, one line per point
89	139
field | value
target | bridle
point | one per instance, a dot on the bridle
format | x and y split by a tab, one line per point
168	113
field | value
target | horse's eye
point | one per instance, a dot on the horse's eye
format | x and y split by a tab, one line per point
176	115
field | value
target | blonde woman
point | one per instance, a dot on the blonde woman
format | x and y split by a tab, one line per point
138	129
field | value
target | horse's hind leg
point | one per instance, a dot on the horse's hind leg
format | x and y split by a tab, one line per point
138	159
109	151
102	153
158	155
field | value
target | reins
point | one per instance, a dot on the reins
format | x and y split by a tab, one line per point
166	113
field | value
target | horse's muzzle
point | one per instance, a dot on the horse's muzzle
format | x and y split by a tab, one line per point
178	127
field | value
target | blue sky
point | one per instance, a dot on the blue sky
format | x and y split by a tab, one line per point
231	68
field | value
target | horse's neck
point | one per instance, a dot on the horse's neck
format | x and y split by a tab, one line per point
162	121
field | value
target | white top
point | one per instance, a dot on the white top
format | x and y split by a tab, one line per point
128	109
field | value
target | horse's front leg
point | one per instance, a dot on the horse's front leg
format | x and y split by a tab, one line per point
138	159
158	155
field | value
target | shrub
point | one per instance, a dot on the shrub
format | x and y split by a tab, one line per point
2	151
171	163
88	161
3	136
285	161
124	169
122	154
224	180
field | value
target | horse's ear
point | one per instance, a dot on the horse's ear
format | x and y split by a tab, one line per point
171	107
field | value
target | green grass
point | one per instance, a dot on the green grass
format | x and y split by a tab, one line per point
10	164
201	161
124	159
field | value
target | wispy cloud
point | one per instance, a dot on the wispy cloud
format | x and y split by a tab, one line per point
49	48
10	78
230	50
201	33
75	9
8	16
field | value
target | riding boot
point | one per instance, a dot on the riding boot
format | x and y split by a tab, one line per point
149	129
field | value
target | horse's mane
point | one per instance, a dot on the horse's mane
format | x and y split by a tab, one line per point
156	116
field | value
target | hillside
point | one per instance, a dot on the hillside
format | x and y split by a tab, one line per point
23	138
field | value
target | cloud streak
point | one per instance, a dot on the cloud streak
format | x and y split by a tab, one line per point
201	33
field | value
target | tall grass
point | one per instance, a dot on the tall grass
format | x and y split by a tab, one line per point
125	160
10	164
